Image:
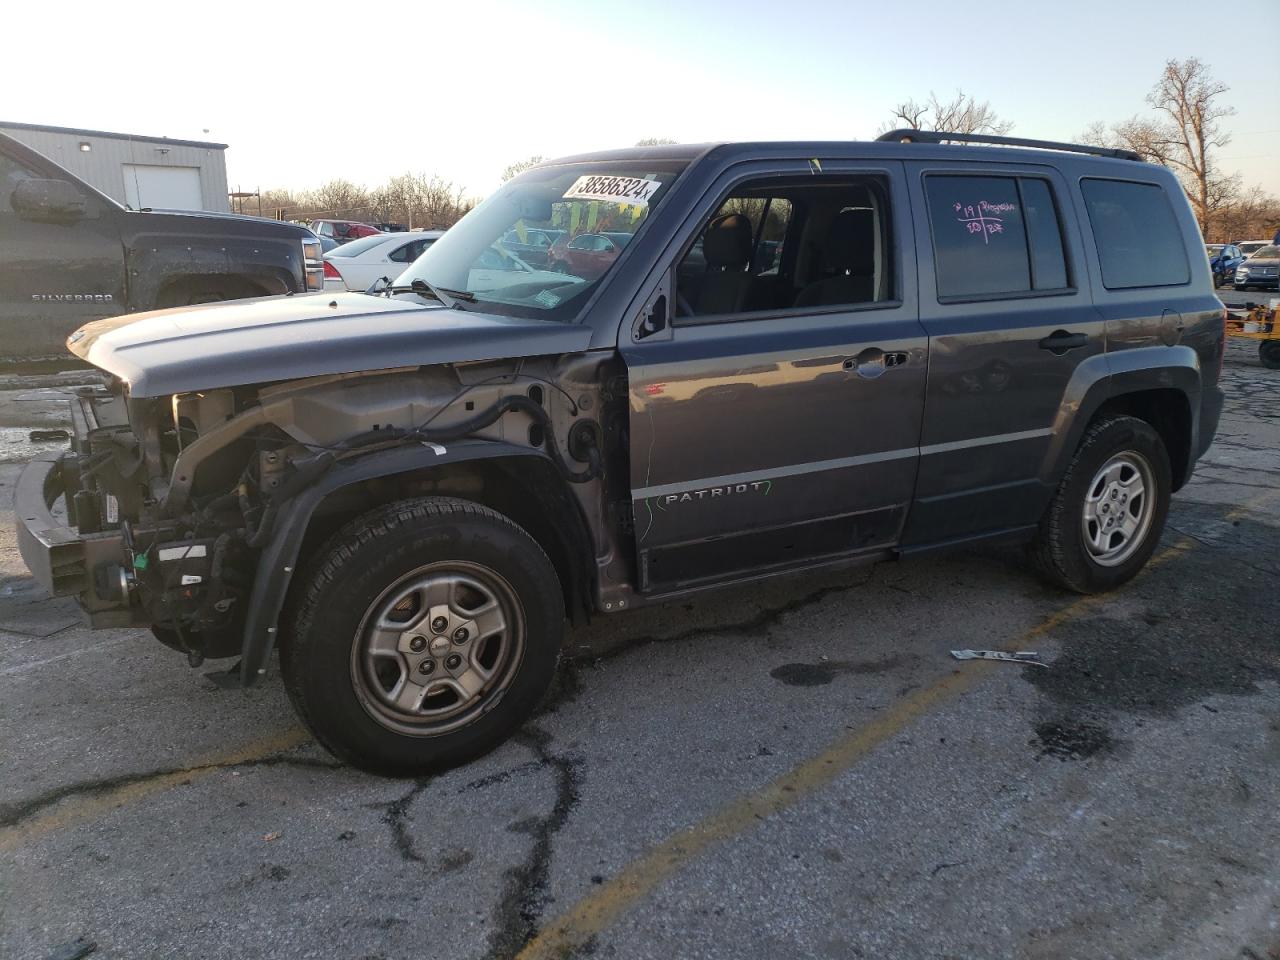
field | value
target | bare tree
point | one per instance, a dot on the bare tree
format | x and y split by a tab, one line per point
1183	135
1253	214
340	198
419	200
654	141
1189	98
521	166
961	114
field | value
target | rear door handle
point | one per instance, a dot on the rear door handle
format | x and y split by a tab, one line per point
1060	341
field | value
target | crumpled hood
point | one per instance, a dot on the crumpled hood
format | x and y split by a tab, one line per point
288	338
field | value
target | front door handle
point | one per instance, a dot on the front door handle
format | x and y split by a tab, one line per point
873	361
1060	341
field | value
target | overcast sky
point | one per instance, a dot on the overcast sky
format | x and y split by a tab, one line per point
309	91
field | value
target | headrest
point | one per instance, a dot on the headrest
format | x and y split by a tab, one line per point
851	243
727	241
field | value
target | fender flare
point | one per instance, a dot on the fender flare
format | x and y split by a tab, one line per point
155	263
1106	376
278	560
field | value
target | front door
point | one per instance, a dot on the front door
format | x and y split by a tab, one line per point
54	276
774	420
1004	297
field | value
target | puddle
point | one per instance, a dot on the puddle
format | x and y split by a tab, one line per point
1070	738
16	445
823	672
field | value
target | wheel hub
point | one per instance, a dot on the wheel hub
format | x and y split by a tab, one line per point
436	646
1118	508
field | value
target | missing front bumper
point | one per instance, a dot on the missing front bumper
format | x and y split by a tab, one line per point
52	551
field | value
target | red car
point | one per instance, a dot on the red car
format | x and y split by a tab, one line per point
342	230
588	254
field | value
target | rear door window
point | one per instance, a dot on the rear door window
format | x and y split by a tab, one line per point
995	236
1138	238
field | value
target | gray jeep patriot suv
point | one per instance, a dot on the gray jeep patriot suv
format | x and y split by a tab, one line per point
791	356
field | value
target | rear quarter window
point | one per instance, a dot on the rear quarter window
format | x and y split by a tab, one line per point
1137	235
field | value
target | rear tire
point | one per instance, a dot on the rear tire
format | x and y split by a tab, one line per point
427	632
1269	354
1106	517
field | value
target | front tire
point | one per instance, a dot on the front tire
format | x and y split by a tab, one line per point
1109	510
427	632
1269	354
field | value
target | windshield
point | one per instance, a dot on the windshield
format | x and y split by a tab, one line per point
1213	249
544	241
1269	252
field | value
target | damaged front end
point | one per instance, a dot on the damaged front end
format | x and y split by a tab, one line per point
122	550
173	502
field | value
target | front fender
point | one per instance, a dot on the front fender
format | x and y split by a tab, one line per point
1108	375
279	557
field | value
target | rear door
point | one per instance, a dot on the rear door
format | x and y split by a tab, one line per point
54	276
779	436
1004	298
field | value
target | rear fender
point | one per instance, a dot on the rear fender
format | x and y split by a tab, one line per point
1107	376
272	264
279	557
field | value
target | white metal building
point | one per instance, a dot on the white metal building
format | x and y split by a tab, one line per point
140	171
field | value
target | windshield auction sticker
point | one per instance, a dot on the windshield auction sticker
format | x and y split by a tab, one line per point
615	189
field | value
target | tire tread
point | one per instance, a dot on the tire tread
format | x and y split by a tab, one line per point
324	573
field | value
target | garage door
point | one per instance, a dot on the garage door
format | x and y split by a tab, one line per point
162	188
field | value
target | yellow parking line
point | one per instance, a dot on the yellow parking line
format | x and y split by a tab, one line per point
81	809
598	911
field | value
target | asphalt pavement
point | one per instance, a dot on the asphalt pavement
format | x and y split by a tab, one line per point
797	769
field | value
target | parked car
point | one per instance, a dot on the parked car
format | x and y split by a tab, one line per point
1261	270
1223	260
326	243
361	263
588	255
533	247
409	494
69	254
1249	247
342	231
496	268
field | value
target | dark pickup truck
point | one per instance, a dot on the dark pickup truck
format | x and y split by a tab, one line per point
406	495
71	255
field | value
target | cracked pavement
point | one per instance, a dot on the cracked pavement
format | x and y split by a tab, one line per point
794	769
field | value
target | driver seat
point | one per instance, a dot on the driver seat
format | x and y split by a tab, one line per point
726	245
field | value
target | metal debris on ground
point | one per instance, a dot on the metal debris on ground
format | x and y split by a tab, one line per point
1017	656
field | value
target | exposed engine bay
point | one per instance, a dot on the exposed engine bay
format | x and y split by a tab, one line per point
175	497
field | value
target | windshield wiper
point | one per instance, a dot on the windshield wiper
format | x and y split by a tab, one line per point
465	295
421	287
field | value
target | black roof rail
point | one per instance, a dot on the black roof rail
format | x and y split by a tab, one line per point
938	136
